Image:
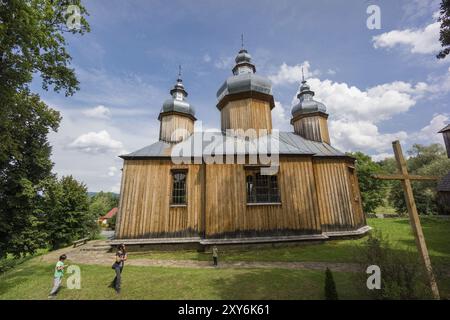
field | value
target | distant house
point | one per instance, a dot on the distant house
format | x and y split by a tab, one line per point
443	187
104	219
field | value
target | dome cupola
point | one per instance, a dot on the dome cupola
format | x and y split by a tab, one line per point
245	99
177	115
178	103
309	116
306	102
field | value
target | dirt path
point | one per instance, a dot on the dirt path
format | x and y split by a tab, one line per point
78	255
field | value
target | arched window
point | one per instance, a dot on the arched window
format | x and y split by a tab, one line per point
179	187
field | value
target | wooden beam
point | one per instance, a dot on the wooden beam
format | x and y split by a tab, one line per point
402	177
414	217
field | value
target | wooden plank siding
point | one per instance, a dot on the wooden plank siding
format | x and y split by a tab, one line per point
317	195
182	125
247	114
228	214
313	128
145	209
339	202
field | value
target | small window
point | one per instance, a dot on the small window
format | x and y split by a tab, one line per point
179	187
262	188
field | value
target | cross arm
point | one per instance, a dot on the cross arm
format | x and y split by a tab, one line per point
403	177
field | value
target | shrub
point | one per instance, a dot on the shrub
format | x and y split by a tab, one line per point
402	274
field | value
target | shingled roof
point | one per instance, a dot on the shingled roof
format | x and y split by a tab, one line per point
444	184
447	128
217	143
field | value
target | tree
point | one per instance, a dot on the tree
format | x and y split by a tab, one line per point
372	190
65	206
330	286
102	202
24	163
444	35
31	43
423	160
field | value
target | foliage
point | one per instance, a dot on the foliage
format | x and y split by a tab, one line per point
112	222
66	210
103	202
24	163
31	43
444	36
423	160
402	274
330	286
372	190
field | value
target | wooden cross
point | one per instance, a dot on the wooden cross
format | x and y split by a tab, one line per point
405	178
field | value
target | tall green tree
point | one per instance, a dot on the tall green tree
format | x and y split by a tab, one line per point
65	208
444	36
102	202
31	43
373	191
423	160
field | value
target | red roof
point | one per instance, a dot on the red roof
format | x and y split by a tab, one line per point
110	214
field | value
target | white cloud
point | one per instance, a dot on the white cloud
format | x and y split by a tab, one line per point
381	156
112	171
224	63
361	135
207	58
96	142
280	117
429	133
292	74
99	112
355	113
423	41
374	104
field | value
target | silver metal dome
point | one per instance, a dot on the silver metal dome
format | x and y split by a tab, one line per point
178	102
244	78
307	104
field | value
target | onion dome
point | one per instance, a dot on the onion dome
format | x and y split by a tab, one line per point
178	102
307	104
244	78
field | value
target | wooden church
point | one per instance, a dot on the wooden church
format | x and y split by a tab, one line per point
312	195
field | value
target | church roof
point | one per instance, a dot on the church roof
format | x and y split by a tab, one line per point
447	128
306	102
178	102
216	143
244	78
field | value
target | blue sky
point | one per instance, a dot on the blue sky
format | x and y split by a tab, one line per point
378	85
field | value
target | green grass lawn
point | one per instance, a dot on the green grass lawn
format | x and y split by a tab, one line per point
396	230
33	279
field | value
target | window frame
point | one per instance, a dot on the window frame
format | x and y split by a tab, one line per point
273	198
173	172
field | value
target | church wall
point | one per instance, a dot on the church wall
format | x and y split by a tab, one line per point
145	210
170	123
247	114
338	194
313	128
228	214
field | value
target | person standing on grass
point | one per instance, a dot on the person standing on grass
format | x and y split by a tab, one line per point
121	257
215	253
58	275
